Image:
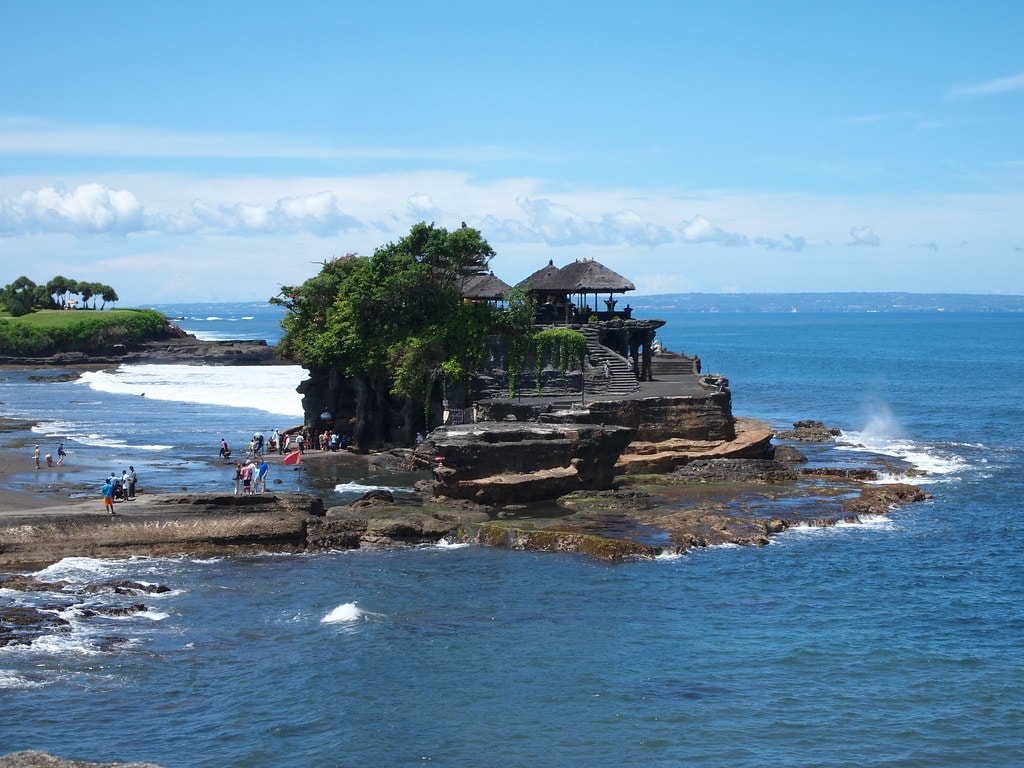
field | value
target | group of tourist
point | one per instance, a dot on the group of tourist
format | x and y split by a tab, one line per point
119	488
260	445
251	478
332	441
48	458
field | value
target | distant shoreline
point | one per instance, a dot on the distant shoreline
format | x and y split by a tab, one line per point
187	350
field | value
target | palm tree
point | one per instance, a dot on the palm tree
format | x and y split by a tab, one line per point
108	294
58	288
84	290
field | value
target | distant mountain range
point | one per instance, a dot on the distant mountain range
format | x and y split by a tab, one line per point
830	302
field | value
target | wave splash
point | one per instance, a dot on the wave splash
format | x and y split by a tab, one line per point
346	613
884	434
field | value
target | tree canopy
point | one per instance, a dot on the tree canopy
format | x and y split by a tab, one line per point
397	314
24	296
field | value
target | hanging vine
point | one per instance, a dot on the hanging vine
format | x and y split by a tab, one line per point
566	347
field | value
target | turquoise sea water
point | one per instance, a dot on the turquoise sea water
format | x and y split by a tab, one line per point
894	642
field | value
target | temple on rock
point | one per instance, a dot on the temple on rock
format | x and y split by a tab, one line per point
586	395
621	350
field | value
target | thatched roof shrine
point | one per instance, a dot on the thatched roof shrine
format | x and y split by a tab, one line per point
539	280
588	276
485	287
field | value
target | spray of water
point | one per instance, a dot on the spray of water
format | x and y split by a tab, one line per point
880	424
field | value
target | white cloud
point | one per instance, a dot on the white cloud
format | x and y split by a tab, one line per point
92	209
87	209
787	243
989	87
559	224
699	229
247	235
864	236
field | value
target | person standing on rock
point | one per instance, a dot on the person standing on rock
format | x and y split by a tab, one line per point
261	477
238	477
108	495
133	478
247	473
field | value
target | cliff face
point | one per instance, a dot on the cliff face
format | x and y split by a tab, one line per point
707	417
362	408
503	463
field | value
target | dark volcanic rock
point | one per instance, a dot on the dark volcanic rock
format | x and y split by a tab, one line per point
809	432
20	625
788	454
37	759
734	471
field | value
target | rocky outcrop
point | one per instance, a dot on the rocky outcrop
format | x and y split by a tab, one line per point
809	431
522	537
512	462
22	624
751	440
37	759
734	471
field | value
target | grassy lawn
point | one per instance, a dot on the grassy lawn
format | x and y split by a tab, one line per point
45	319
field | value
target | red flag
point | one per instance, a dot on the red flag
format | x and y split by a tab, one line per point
293	458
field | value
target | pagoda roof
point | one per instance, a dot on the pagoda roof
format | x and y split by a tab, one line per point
485	286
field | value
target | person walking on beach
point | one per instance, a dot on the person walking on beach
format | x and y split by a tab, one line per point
60	454
108	495
35	456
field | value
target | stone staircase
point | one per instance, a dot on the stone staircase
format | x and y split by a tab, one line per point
621	379
671	364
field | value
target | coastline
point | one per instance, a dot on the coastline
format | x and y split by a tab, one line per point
41	526
680	511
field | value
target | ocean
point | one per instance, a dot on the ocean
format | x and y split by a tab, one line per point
894	641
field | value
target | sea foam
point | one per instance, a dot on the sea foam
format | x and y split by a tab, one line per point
343	614
270	389
354	487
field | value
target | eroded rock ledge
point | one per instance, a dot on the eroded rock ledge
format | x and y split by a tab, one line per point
710	502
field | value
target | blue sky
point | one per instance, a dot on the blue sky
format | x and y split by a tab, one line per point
196	151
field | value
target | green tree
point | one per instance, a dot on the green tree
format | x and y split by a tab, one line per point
59	287
85	290
398	314
19	297
108	294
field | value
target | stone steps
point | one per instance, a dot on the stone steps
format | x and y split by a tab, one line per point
609	372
